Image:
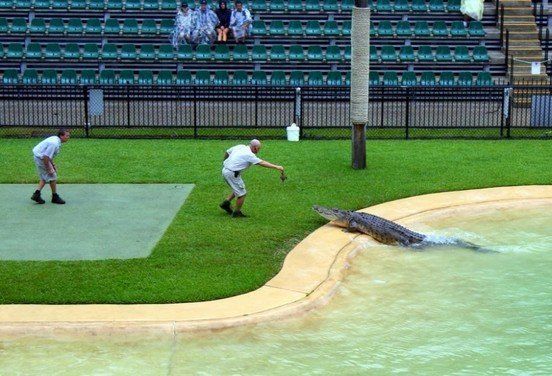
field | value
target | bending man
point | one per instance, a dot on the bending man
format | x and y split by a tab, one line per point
236	160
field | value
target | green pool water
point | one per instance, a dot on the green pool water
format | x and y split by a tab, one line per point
440	311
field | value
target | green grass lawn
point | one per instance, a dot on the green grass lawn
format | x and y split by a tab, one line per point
207	255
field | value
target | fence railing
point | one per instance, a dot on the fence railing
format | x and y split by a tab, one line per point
497	111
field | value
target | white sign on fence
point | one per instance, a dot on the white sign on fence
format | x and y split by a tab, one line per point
535	67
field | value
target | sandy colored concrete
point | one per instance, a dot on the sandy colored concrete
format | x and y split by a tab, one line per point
310	276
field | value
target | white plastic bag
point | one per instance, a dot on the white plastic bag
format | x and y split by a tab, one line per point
473	9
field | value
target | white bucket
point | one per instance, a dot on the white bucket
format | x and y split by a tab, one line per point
293	132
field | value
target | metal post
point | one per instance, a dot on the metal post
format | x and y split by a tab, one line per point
507	49
509	111
407	115
501	25
195	111
128	106
86	118
496	13
297	118
256	106
511	69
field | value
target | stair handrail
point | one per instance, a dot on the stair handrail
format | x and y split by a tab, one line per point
501	25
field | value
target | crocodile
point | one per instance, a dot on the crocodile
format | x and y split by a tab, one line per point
386	231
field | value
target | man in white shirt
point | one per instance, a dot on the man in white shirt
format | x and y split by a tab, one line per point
44	154
236	160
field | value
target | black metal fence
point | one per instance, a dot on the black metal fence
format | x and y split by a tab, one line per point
499	111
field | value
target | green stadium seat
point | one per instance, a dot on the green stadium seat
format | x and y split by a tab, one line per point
15	51
23	4
330	6
164	77
166	27
390	78
147	52
10	77
133	4
333	54
49	77
4	27
126	77
240	78
38	26
436	6
294	5
312	5
418	6
453	5
185	52
406	54
442	54
203	77
30	77
297	78
40	4
446	79
315	78
313	28
425	54
109	52
1	51
151	5
74	26
295	28
78	4
421	29
296	53
166	52
60	4
347	5
6	4
475	29
149	27
221	77
128	52
258	53
427	79
409	79
168	4
388	54
334	78
240	53
183	77
384	6
259	6
465	79
277	28
374	78
96	5
258	28
484	79
93	26
18	26
68	77
259	78
347	53
52	51
130	26
112	27
145	77
403	29
278	53
346	28
461	54
373	29
88	77
440	29
90	51
56	26
277	6
374	53
278	78
203	52
221	53
348	78
71	51
401	6
33	51
480	54
457	29
314	53
385	29
331	28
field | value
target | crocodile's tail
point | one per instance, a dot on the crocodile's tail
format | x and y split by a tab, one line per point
472	246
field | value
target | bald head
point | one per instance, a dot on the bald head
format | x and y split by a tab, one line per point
255	145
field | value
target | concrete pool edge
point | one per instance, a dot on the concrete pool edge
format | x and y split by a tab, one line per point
309	277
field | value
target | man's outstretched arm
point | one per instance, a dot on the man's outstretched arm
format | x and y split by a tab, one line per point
270	165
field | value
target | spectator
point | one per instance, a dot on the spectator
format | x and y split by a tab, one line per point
205	21
240	22
223	14
182	32
472	10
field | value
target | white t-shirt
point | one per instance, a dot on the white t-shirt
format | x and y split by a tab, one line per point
240	158
48	147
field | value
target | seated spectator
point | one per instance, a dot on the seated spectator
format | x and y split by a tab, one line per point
240	22
223	14
182	32
472	10
205	21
